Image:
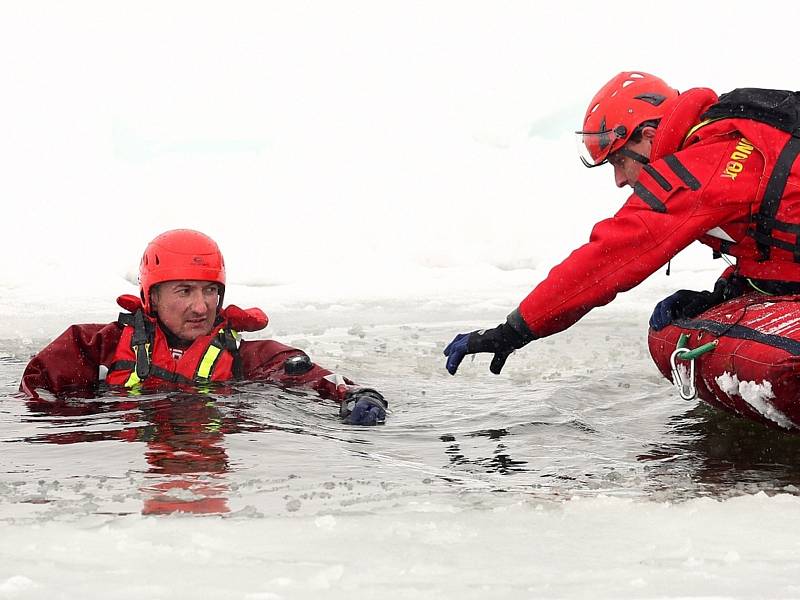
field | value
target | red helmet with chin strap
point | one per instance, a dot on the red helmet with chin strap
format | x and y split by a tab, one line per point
180	254
621	105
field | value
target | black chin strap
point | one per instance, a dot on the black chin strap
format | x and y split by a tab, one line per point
640	158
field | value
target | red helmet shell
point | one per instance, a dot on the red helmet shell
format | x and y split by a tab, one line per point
180	254
621	105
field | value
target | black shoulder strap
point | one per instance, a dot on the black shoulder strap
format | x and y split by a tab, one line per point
142	340
765	217
230	344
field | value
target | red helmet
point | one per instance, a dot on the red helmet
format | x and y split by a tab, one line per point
621	105
180	254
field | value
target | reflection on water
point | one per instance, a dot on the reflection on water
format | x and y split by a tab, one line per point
726	455
499	461
183	443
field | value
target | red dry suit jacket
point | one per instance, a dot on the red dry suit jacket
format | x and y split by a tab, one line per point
708	179
76	362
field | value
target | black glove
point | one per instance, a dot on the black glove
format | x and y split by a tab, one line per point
685	304
363	406
500	341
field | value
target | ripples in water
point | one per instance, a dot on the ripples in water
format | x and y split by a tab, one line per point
256	449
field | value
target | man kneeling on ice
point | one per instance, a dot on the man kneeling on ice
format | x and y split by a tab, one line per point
178	334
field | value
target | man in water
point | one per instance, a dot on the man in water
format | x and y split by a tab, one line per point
718	170
177	334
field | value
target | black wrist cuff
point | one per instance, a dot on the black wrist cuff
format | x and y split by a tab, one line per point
373	396
522	334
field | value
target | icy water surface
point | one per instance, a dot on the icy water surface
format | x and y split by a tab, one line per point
578	473
582	414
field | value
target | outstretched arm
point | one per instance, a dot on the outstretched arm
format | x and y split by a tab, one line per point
675	201
268	360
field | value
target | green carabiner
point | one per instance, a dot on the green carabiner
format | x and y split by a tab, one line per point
699	351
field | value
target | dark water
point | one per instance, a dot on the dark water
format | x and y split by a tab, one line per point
566	419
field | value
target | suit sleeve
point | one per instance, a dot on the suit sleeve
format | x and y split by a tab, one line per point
70	364
674	202
268	360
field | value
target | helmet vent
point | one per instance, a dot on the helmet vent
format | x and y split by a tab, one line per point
157	261
654	99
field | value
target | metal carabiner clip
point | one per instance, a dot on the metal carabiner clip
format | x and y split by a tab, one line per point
686	388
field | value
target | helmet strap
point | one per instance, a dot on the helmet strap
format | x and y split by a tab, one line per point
221	296
640	158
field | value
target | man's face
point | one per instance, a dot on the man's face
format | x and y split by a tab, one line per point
187	308
626	169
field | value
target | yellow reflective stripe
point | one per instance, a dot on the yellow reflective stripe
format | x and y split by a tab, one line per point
132	380
694	129
204	370
210	357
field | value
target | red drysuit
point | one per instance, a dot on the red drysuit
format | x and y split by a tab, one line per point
705	180
79	359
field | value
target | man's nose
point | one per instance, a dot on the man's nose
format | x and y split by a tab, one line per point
620	178
197	302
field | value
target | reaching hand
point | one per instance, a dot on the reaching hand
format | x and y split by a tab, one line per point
485	340
500	341
363	406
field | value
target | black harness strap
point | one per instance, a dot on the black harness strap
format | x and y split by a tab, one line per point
640	158
740	332
122	365
765	217
143	334
768	241
140	342
230	344
157	371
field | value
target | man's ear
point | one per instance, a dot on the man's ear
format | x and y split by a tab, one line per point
649	133
154	298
